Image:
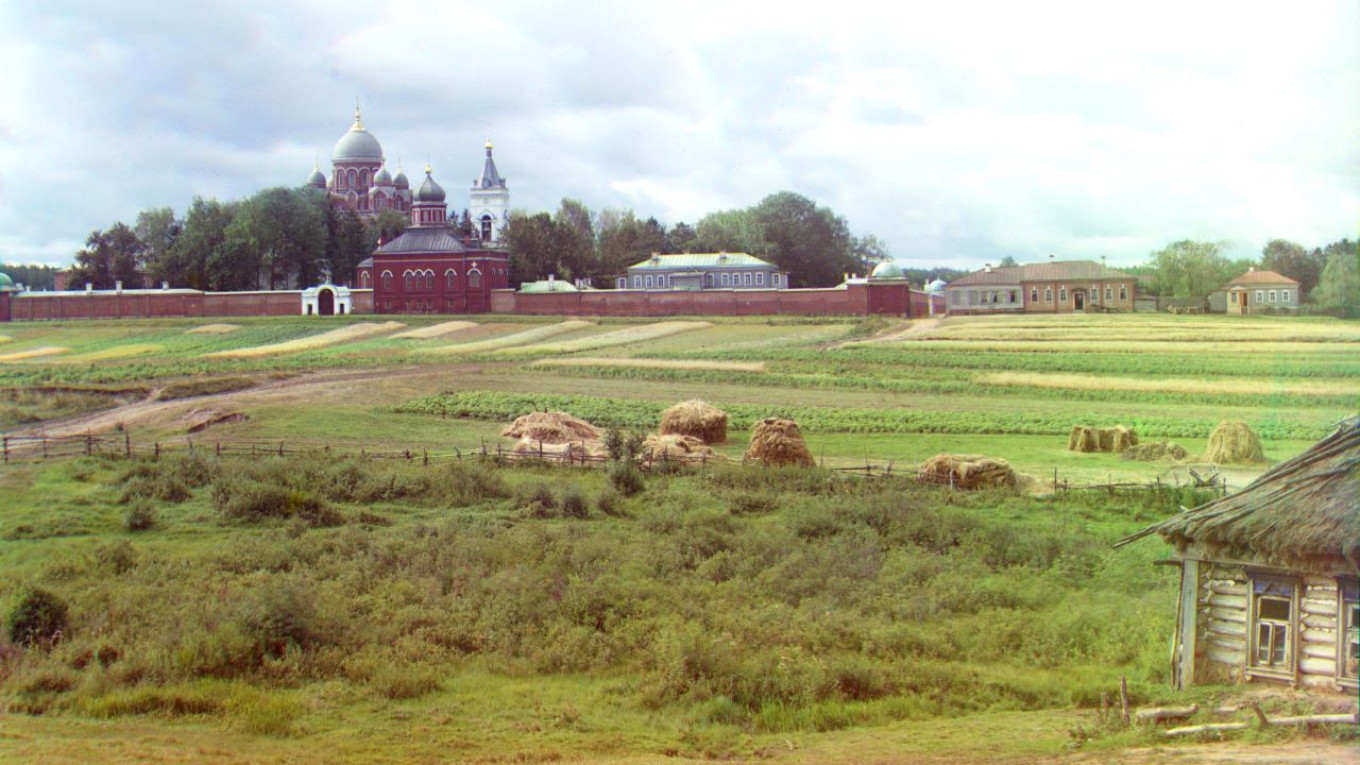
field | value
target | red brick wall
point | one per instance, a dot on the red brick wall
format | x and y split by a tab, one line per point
361	301
855	300
438	297
252	304
110	305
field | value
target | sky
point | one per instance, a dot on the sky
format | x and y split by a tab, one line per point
957	133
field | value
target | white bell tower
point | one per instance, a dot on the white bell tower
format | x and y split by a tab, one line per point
489	202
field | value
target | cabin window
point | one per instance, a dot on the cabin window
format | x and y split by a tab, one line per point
1272	628
649	280
760	278
410	281
746	279
451	278
1034	294
1062	294
726	280
474	279
1350	638
1095	294
775	277
387	280
953	298
1109	294
1048	295
1013	297
637	282
708	279
1284	296
1123	292
1272	296
1260	296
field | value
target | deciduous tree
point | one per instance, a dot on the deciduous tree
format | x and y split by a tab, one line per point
1291	259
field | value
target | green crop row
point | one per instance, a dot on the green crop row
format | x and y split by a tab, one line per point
646	415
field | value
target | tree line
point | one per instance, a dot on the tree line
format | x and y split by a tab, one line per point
811	243
279	238
1328	277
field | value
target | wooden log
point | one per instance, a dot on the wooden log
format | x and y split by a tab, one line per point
1227	587
1224	711
1319	607
1316	666
1162	714
1228	627
1229	615
1233	602
1334	719
1315	623
1208	728
1316	584
1320	650
1228	657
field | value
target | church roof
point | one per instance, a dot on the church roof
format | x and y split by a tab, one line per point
489	179
420	240
700	260
358	144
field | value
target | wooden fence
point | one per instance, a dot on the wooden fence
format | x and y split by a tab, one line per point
36	448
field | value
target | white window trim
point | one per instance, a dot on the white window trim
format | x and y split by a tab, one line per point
1260	296
1291	636
1048	294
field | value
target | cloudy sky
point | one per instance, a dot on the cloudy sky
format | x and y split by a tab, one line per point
958	133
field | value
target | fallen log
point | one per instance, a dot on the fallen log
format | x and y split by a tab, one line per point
1163	714
1344	719
1191	730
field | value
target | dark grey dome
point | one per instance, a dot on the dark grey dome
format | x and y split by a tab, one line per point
316	179
357	145
382	178
429	190
400	181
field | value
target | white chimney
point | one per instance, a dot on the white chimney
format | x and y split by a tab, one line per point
552	278
987	268
89	287
165	285
118	287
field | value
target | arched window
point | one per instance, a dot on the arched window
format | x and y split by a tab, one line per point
363	178
474	279
726	279
486	228
387	280
352	177
410	279
429	280
451	278
365	281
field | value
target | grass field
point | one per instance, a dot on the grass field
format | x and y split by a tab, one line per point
322	609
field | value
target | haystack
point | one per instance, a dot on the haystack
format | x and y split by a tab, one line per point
552	428
673	446
571	450
965	471
777	441
695	418
1083	439
1233	442
1156	450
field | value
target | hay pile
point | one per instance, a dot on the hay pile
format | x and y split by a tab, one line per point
673	446
571	450
1156	450
968	472
1233	442
777	441
1087	439
551	428
697	419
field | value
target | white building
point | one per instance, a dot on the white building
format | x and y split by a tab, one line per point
489	203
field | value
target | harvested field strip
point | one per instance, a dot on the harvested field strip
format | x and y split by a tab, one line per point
1152	345
519	338
213	329
33	353
696	364
943	381
618	337
1234	386
334	337
637	414
116	352
6	339
435	330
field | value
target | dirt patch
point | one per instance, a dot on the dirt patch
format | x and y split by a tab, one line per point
918	330
199	420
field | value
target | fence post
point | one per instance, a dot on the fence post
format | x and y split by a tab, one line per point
426	453
44	445
280	448
6	443
127	444
219	448
88	444
158	450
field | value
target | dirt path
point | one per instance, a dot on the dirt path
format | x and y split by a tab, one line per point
918	329
310	386
1308	752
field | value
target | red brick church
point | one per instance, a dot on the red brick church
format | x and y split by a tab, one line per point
429	269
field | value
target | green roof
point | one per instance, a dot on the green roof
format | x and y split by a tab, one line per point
701	260
6	283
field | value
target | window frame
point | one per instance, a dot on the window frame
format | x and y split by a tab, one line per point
1034	294
1348	631
1263	588
1123	292
1260	296
1048	294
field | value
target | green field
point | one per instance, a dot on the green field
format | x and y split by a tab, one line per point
320	608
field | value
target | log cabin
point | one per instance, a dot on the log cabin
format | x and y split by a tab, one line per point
1270	575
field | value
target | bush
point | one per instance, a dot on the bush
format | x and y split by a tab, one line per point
38	618
140	517
278	617
252	502
608	502
396	683
541	503
574	504
625	478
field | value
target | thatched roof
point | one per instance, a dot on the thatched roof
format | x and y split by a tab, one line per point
1302	513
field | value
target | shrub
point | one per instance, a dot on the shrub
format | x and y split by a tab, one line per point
398	683
252	502
753	503
625	478
277	617
39	617
608	502
574	504
140	517
540	503
116	556
262	714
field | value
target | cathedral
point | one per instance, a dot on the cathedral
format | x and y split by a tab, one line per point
360	181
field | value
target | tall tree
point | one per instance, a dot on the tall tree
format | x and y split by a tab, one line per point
157	230
1338	289
32	277
730	231
1191	269
109	257
868	251
529	240
681	238
811	243
1291	259
204	232
573	239
283	232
